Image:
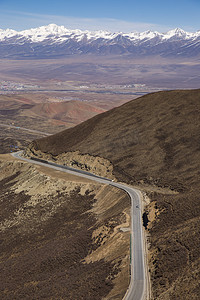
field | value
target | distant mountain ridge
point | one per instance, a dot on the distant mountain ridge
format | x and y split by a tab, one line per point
57	41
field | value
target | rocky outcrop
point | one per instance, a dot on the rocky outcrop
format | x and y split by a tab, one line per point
94	164
60	237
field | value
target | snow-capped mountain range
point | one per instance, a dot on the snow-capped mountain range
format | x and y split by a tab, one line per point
57	41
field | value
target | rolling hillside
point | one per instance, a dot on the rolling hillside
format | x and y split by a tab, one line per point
151	142
72	112
41	110
38	112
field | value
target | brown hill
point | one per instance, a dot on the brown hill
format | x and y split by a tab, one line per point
41	112
153	140
45	111
159	131
72	112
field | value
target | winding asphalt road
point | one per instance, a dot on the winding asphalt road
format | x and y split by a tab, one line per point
137	287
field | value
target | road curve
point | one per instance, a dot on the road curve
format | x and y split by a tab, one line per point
137	287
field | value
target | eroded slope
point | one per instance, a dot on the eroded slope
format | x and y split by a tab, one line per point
60	236
152	142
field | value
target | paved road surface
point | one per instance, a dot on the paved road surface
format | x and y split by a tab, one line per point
137	287
25	129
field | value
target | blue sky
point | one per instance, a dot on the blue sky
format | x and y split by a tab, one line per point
113	15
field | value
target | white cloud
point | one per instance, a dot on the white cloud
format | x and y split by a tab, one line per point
23	20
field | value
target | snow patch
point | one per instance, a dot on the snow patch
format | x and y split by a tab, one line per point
59	34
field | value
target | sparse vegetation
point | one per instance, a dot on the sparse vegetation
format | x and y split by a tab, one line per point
153	142
50	234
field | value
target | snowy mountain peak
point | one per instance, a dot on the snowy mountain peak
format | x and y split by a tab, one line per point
54	31
53	40
178	32
8	33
